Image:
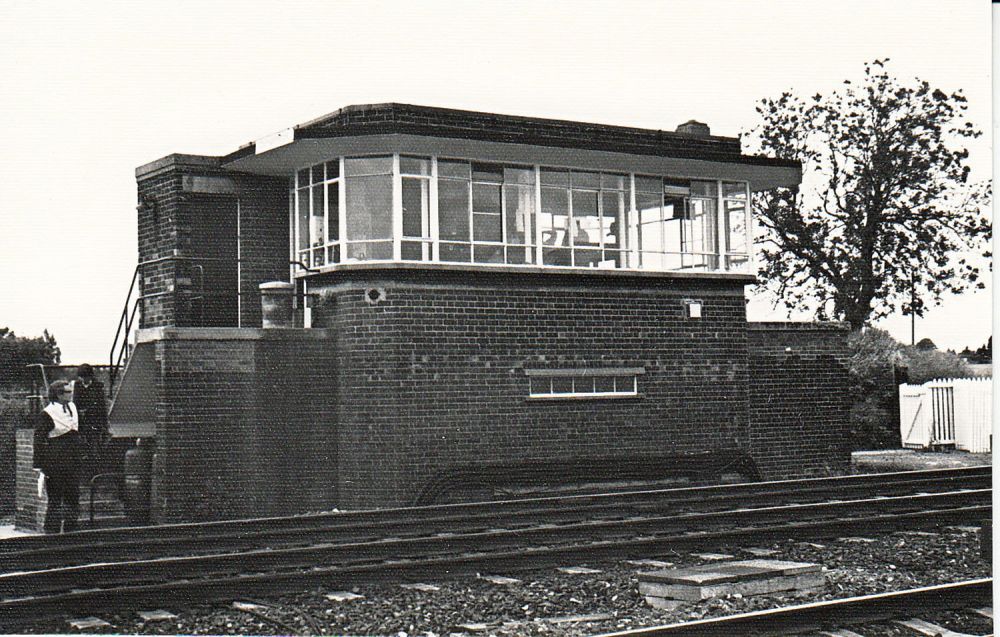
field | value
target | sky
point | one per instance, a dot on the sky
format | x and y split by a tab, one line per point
91	90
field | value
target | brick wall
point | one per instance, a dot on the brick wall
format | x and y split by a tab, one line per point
30	514
799	398
187	213
263	240
245	423
433	376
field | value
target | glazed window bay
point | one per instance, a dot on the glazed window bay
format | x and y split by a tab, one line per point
428	209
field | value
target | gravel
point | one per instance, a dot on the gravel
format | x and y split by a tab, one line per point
558	604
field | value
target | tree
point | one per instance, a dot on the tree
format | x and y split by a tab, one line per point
17	352
885	209
925	345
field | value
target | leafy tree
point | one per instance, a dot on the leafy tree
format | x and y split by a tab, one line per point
925	365
17	352
885	205
925	345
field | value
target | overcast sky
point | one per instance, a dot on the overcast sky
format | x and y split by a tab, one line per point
93	89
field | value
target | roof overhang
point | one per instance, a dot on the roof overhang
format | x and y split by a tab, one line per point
281	155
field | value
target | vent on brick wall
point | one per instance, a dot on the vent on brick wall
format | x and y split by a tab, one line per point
374	296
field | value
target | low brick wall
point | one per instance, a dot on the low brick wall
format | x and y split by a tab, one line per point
30	514
799	398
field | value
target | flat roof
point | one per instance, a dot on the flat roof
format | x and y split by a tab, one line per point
407	119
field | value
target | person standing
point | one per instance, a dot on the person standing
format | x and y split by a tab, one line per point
57	454
89	398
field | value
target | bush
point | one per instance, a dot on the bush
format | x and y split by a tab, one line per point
874	416
13	414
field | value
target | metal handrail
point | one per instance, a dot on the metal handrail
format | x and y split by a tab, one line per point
119	346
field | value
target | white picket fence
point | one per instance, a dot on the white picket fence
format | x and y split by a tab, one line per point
953	411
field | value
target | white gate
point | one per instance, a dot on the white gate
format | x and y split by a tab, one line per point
955	411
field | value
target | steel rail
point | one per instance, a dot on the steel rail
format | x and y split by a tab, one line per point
794	620
113	573
354	530
624	504
184	591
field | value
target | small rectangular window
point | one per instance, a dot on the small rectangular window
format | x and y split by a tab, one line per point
584	383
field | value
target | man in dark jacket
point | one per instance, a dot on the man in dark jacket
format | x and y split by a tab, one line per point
57	456
89	398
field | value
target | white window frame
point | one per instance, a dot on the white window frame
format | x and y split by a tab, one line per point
630	249
628	375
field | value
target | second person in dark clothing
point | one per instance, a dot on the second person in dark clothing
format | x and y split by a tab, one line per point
90	399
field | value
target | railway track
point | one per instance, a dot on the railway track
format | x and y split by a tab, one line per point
834	615
111	569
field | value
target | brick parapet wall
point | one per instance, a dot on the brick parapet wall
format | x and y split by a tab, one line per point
245	423
263	240
799	398
432	376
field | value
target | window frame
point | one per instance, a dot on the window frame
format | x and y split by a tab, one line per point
630	253
593	373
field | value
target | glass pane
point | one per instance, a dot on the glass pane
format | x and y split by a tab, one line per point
317	173
704	189
318	211
734	190
488	254
586	258
369	208
487	172
519	208
612	210
370	251
318	257
625	384
701	239
367	165
414	251
553	222
416	193
302	196
650	229
613	182
677	187
486	227
517	175
453	210
414	165
516	255
453	168
583	385
333	169
302	178
648	184
586	180
333	253
586	223
540	385
455	252
673	224
333	205
562	385
604	384
554	177
485	198
736	226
